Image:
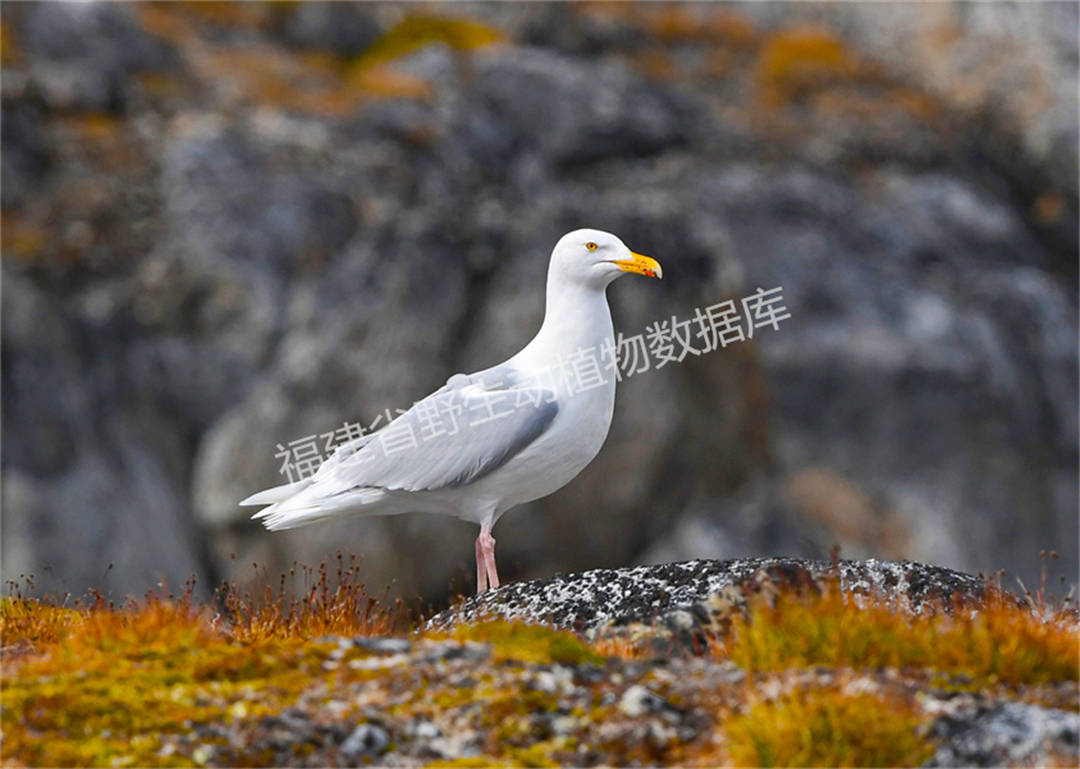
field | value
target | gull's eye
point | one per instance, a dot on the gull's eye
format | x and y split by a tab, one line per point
591	246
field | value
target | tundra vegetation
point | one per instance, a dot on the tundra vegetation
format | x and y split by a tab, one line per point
316	671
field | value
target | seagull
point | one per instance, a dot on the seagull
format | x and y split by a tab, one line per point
488	441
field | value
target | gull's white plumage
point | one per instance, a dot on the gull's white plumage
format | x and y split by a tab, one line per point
478	471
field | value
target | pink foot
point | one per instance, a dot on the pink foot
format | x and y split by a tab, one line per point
485	546
481	574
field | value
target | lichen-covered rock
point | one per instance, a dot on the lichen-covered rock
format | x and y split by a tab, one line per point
87	56
1005	734
685	601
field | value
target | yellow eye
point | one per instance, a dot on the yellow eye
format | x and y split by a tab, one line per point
591	246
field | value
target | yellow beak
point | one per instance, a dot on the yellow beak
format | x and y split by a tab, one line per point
642	265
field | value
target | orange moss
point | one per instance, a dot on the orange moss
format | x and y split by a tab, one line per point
1049	207
159	85
20	238
163	20
324	602
307	603
997	642
102	136
99	127
314	81
801	59
673	22
882	108
717	62
224	13
621	647
182	22
678	22
380	81
9	54
308	82
33	622
916	103
98	684
736	30
656	64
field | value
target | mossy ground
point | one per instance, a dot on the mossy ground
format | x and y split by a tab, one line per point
998	642
529	643
820	728
828	679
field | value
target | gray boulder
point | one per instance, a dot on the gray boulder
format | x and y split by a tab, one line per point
1005	734
84	56
686	599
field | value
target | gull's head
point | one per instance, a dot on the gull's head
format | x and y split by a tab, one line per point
595	258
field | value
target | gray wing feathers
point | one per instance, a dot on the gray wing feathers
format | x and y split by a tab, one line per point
455	436
341	455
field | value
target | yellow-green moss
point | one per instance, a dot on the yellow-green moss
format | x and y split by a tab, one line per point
417	30
536	755
827	728
526	642
471	762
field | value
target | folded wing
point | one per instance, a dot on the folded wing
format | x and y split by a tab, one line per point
453	437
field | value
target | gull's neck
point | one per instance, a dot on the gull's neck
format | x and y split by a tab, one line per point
575	317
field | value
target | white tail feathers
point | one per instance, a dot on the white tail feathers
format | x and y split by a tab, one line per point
278	519
298	504
276	494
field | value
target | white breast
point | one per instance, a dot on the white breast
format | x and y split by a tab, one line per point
574	322
560	454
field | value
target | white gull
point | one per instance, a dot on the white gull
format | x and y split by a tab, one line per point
488	441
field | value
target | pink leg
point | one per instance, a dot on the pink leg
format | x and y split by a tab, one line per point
481	574
486	543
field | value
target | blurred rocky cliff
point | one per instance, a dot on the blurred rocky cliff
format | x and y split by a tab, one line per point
230	227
